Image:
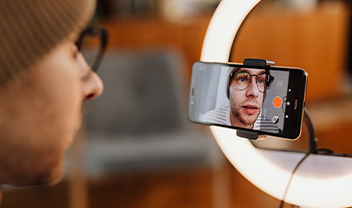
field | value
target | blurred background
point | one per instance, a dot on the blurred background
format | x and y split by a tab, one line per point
137	148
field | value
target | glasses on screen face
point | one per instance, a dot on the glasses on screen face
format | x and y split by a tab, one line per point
242	79
92	43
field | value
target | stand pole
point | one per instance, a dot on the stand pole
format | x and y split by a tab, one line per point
312	138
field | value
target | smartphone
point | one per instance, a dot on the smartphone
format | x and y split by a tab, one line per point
268	100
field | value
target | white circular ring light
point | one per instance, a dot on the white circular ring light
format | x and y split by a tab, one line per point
321	181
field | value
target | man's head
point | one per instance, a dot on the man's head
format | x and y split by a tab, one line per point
246	91
44	79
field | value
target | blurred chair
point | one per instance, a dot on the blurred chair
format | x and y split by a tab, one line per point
140	121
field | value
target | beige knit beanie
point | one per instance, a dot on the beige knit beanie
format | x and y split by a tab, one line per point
31	28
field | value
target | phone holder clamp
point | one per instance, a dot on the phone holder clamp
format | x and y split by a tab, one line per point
253	62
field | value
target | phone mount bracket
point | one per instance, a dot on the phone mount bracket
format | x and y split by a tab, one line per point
313	140
249	135
253	62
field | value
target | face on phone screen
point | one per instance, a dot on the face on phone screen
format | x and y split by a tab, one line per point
241	97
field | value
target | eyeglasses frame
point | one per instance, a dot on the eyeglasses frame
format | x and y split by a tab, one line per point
268	81
95	31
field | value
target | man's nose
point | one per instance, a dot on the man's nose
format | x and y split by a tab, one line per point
252	89
93	87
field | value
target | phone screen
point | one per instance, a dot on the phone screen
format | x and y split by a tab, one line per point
267	100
